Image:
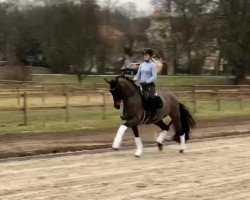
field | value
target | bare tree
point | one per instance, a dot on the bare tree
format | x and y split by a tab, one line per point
234	37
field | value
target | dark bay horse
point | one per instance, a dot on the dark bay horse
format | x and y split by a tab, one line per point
124	90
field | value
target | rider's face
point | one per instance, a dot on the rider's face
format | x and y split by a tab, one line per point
146	57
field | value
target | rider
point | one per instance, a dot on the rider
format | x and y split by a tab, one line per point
146	75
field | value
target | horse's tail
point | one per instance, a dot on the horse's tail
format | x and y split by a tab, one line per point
187	122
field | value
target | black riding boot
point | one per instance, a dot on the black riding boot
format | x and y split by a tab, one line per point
152	108
155	104
148	91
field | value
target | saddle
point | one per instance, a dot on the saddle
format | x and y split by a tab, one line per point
151	102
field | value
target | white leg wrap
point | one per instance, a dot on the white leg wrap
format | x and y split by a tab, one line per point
118	138
183	145
162	137
139	147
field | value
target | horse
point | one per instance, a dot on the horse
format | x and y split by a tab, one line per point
125	90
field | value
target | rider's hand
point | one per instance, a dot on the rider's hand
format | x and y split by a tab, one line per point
136	83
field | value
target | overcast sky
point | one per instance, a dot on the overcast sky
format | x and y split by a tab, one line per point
143	5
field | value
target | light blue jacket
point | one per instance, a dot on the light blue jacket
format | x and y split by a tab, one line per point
147	73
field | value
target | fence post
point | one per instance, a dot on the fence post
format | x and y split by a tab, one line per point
66	94
25	119
18	95
43	96
194	99
104	105
64	88
240	97
88	95
218	100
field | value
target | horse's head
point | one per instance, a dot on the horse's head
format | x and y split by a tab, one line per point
115	90
122	88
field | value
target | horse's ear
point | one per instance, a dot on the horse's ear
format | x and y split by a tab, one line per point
107	81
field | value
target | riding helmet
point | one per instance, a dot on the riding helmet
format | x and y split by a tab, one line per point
148	51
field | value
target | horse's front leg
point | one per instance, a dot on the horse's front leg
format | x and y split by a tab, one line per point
138	142
133	124
121	131
118	138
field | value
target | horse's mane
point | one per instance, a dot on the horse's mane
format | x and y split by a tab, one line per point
129	80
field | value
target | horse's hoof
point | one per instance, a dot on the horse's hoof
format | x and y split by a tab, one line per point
160	146
115	149
181	151
138	154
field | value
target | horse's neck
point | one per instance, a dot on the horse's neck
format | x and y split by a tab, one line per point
129	90
131	98
131	101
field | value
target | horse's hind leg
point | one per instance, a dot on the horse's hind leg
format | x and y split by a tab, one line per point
138	142
179	134
183	145
164	127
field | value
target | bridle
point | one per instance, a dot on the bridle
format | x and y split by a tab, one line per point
116	91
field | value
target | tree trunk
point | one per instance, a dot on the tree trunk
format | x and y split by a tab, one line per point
189	60
240	75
